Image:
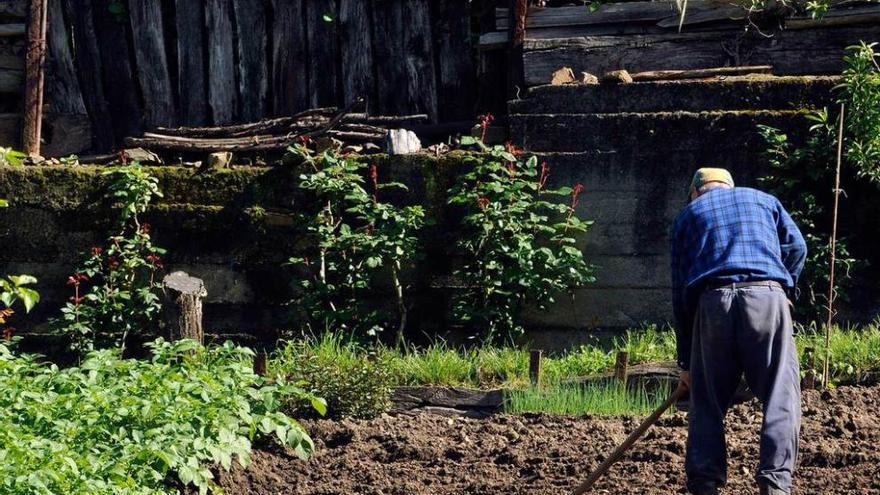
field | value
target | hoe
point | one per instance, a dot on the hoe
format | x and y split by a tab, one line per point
630	440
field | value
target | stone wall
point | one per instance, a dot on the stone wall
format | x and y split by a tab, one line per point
234	229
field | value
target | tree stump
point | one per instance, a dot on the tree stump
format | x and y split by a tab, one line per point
182	308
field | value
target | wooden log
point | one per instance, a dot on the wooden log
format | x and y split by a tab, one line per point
321	23
456	77
12	62
88	68
535	356
253	82
152	64
695	17
120	87
222	94
34	76
356	49
13	30
192	87
11	81
669	75
389	19
63	94
420	74
290	87
182	307
784	52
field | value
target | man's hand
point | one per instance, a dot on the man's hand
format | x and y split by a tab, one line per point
685	378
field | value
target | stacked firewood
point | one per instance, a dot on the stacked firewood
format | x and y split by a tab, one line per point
273	135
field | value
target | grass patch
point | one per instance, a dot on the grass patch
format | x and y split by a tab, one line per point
855	350
600	398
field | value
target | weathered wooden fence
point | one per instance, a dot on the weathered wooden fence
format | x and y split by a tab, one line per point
131	65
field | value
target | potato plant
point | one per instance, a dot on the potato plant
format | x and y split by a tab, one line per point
124	426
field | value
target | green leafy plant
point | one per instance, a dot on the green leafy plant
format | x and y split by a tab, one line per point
803	176
11	157
116	291
605	398
517	241
13	289
355	384
124	426
353	238
860	91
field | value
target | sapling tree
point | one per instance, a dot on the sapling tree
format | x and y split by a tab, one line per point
517	239
354	237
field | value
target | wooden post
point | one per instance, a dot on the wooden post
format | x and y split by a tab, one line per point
517	35
621	366
261	360
182	308
826	370
35	61
809	381
535	367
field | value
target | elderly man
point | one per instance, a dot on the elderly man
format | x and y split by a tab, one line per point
736	253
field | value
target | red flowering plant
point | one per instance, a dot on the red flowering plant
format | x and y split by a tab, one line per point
355	238
115	292
518	242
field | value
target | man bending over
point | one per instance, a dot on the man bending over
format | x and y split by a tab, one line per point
736	253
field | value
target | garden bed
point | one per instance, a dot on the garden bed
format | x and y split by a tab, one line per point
543	454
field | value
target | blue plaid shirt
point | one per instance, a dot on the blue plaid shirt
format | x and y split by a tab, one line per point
726	236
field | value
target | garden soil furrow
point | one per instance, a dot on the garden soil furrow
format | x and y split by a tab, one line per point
542	454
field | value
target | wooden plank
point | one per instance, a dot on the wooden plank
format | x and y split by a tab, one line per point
13	62
693	18
321	23
456	81
152	65
88	68
62	134
356	47
13	9
817	51
117	74
290	86
62	86
389	19
12	30
253	82
11	81
581	15
222	94
192	86
421	76
839	16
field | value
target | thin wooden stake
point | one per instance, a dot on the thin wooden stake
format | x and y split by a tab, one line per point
35	61
831	291
261	360
809	381
535	367
621	367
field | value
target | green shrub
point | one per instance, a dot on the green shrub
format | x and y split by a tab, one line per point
354	383
517	241
122	426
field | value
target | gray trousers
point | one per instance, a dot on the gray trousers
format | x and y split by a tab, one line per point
743	330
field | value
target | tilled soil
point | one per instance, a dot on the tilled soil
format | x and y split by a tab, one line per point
542	454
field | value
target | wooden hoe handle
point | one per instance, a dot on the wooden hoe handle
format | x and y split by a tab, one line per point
630	440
